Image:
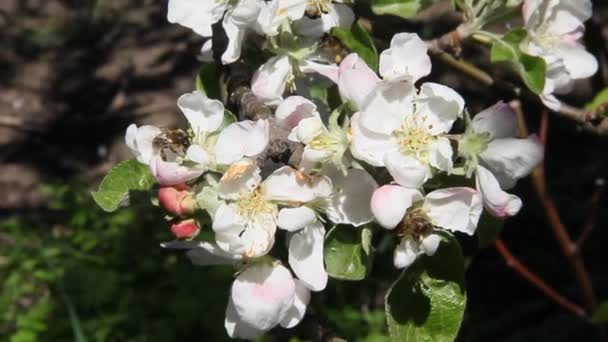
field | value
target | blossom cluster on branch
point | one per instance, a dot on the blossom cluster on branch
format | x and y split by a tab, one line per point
379	148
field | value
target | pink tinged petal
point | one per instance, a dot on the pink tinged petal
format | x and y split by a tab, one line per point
195	15
406	171
430	243
356	80
140	141
568	16
495	200
177	200
203	114
406	59
185	229
293	109
455	209
440	154
262	295
293	219
306	256
350	202
328	70
406	253
389	204
500	121
369	146
511	159
298	309
290	185
171	173
203	253
578	62
239	179
441	106
241	139
386	107
236	327
269	81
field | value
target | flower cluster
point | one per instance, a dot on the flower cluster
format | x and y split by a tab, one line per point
380	158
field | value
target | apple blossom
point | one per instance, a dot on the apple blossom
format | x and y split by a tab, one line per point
414	217
177	200
186	229
139	140
554	30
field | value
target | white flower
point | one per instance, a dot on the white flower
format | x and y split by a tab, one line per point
263	296
405	131
498	158
140	141
554	30
414	216
239	16
331	15
242	139
322	145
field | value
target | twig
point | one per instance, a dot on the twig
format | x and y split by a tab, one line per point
536	281
600	187
558	228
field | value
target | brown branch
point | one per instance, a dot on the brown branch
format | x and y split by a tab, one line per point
536	281
600	187
557	226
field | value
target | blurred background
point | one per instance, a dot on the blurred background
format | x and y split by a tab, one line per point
74	74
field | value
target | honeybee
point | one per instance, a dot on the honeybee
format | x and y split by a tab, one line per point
175	141
316	8
331	48
415	225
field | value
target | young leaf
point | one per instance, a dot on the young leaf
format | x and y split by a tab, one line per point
401	8
123	178
530	68
427	302
358	40
208	81
601	314
348	252
599	104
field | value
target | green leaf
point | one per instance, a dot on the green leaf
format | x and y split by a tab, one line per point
229	118
401	8
208	81
599	104
601	314
122	179
358	40
427	302
488	229
530	68
348	252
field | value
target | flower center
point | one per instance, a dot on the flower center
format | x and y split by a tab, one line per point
415	224
414	140
254	204
546	39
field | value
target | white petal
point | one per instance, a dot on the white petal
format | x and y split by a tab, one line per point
228	227
203	114
356	80
407	171
298	309
390	203
495	200
306	256
293	109
386	107
338	15
197	154
430	243
328	70
292	219
578	62
350	202
240	178
207	51
290	185
406	59
441	105
406	253
440	154
511	159
269	81
456	209
369	146
262	294
308	129
203	253
240	139
196	15
237	328
500	121
172	173
140	141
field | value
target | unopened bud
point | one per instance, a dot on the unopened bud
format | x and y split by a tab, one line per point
185	229
177	200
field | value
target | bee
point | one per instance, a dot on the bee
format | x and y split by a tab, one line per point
331	48
175	141
316	8
415	225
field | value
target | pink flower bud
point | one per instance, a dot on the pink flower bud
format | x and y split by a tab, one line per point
185	229
177	199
